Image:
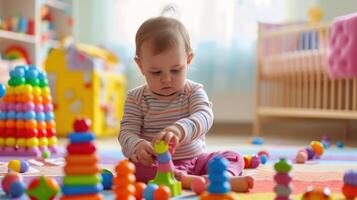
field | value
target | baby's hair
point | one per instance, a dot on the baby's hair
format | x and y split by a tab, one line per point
163	33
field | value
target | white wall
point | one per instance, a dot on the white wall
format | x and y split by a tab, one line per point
228	107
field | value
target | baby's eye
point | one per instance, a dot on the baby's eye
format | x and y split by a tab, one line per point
175	71
156	73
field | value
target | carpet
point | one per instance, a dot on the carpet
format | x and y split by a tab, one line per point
325	172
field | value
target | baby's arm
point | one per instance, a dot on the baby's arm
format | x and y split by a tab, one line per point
200	119
130	126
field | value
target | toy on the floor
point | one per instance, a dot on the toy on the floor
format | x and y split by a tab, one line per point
282	178
42	188
82	175
264	157
9	179
86	81
318	193
314	151
17	189
107	179
21	166
219	186
27	125
139	190
162	192
349	188
148	192
165	175
257	140
340	144
46	154
124	180
251	161
2	90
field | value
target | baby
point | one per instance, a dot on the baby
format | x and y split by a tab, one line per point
170	107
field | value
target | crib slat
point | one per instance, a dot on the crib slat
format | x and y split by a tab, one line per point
339	94
332	95
347	92
354	98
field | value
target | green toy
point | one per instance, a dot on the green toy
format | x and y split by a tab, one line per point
165	175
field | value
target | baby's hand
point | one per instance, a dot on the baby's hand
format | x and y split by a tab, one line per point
171	135
144	153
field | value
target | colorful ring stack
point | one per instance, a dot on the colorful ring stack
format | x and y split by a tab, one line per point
82	178
27	124
349	188
314	151
124	182
219	186
165	170
282	178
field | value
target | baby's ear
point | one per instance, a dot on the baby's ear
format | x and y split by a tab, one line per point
190	58
138	62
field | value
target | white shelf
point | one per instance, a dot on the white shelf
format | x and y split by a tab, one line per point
61	5
22	37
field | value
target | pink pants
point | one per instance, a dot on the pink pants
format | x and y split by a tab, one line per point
193	166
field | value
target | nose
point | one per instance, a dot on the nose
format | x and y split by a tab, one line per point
166	77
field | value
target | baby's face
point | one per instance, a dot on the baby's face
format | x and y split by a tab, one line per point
165	73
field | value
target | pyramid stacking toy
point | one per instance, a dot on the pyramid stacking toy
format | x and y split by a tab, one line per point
282	178
219	186
27	125
82	178
124	182
165	175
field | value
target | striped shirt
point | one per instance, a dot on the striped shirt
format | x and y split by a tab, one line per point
145	115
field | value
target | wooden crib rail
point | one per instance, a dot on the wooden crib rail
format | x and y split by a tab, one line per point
292	75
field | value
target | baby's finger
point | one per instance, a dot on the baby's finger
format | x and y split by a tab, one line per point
168	137
174	141
134	158
150	150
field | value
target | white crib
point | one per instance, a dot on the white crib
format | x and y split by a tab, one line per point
292	79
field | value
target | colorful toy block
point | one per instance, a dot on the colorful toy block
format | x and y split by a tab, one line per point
86	81
27	125
165	173
42	188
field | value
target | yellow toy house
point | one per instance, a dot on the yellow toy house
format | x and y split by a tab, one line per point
86	82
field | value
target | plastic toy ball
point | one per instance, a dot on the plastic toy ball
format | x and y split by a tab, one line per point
107	179
2	90
149	191
17	189
349	188
42	188
8	179
317	193
21	166
317	147
263	159
46	154
162	192
198	185
139	190
257	141
340	144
